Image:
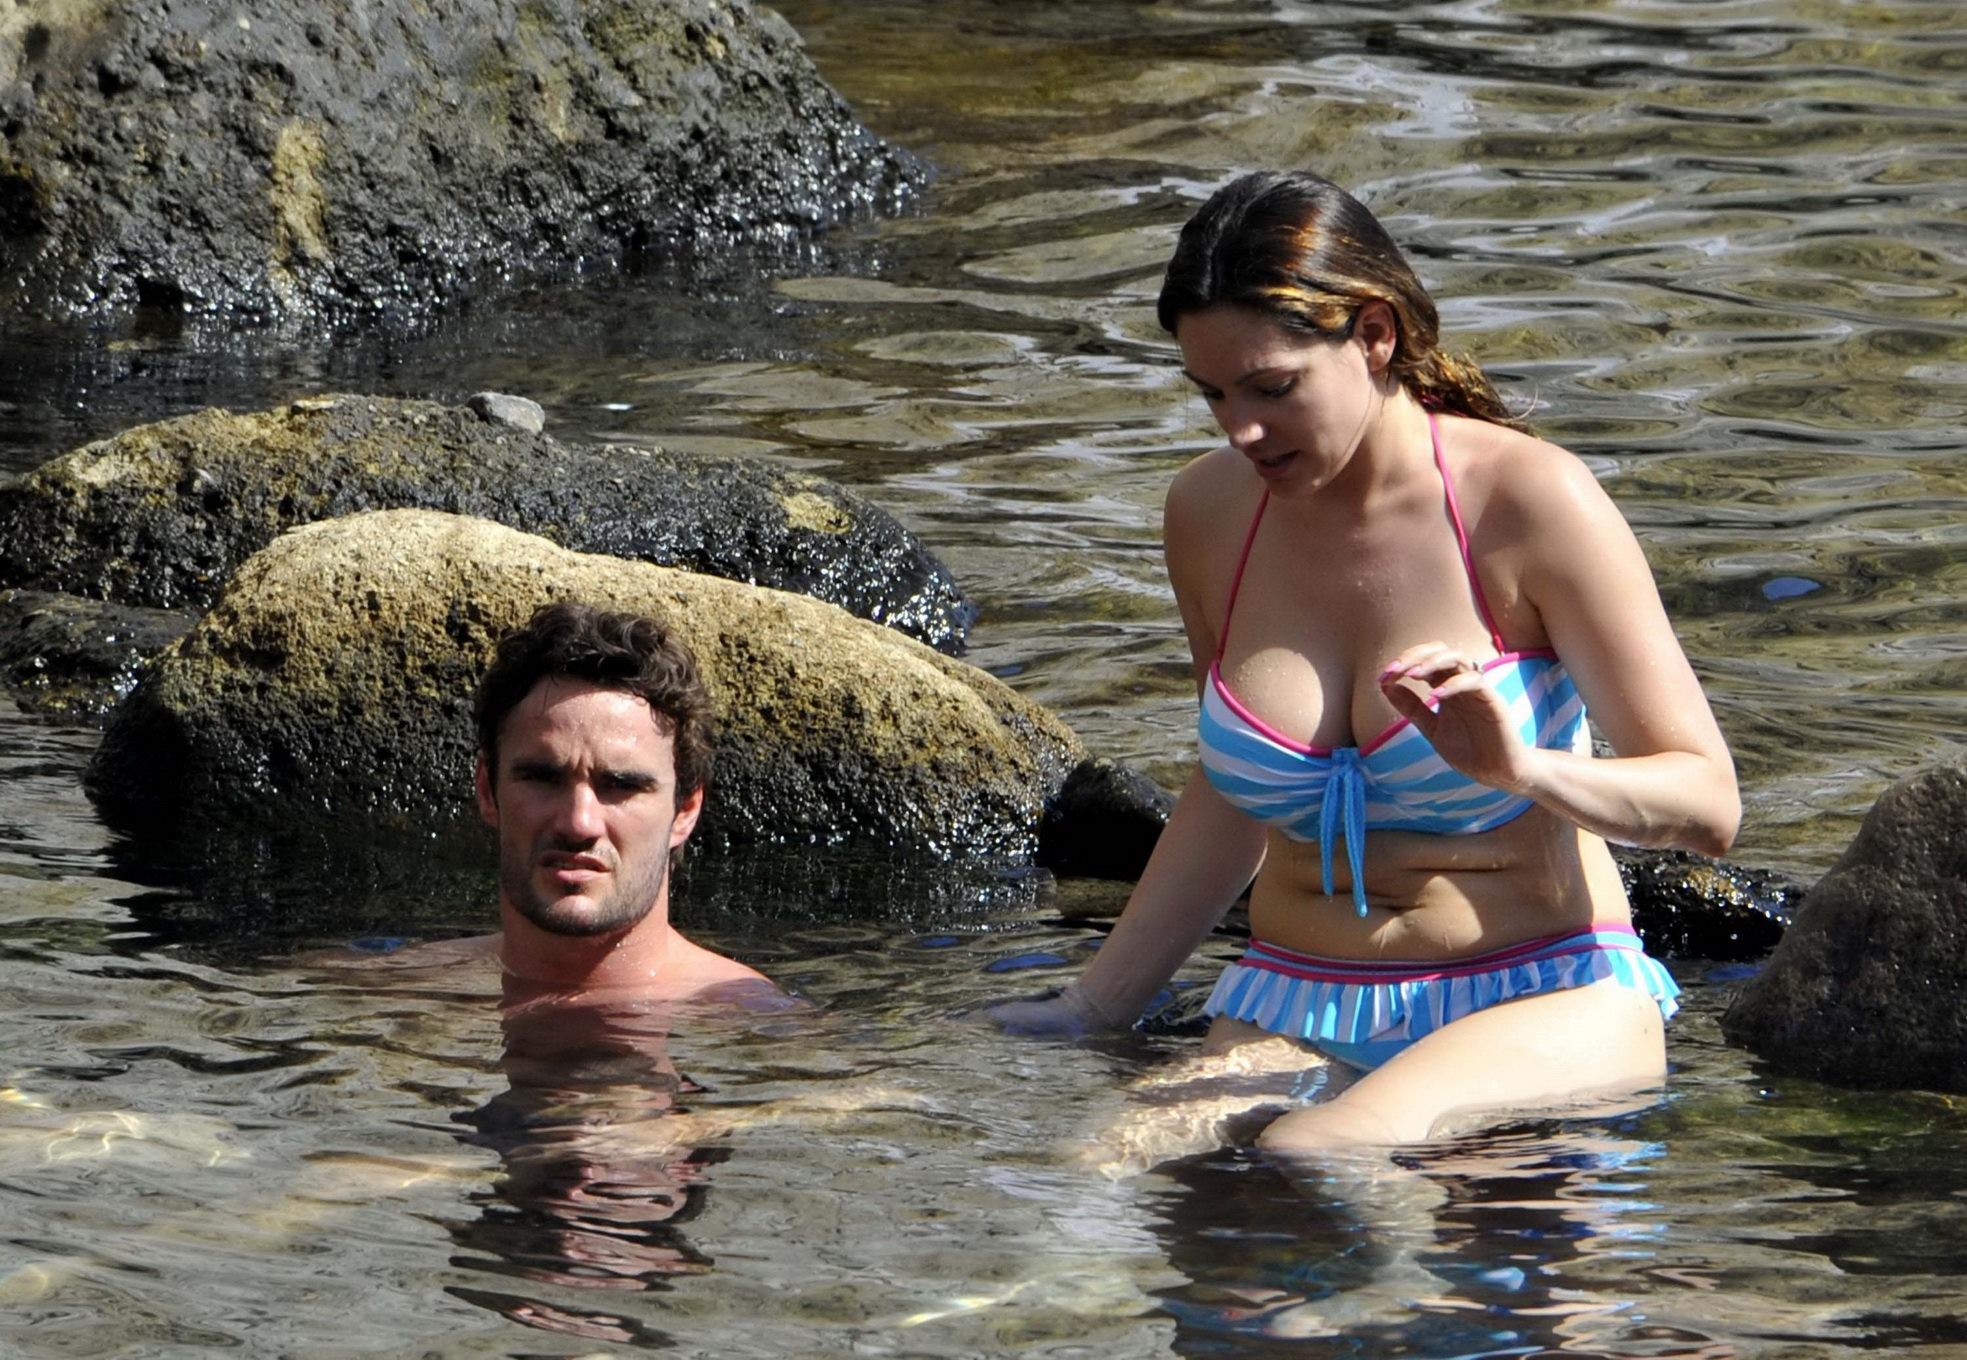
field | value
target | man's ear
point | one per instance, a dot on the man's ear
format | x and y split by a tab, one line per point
488	805
1375	328
687	812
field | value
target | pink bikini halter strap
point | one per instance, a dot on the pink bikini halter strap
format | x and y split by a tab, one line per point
1236	582
1461	541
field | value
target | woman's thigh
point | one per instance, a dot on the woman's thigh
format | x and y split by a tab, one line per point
1559	1049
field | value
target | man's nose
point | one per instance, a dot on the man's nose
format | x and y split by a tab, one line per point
580	813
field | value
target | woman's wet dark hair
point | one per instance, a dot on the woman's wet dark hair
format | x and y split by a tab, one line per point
1301	249
627	652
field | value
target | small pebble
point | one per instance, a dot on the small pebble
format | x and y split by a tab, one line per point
500	409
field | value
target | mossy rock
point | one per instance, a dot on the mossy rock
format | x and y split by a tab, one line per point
1869	986
333	680
160	515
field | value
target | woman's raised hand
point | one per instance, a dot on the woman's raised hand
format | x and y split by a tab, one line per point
1445	695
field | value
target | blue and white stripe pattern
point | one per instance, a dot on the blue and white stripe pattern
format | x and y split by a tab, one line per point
1395	782
1365	1012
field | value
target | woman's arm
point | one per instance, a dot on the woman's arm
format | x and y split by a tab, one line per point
1208	852
1672	782
1205	858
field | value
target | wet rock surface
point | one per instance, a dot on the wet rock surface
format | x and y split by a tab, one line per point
1104	821
332	681
330	158
1869	985
159	516
64	656
1686	906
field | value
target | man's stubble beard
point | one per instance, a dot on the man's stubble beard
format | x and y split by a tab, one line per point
627	902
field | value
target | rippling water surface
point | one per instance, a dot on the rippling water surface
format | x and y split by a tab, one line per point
1722	247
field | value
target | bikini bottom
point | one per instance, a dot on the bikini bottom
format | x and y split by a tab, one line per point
1362	1013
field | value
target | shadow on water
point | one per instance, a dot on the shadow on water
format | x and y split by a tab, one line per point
228	898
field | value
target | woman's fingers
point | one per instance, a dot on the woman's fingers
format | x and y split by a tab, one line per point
1464	682
1431	661
1419	702
1420	655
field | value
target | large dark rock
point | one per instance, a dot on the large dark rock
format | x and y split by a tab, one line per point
65	656
160	515
331	685
1869	986
1103	822
321	156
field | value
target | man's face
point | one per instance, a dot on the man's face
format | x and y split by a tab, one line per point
585	807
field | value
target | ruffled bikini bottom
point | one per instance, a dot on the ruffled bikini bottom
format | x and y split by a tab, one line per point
1363	1013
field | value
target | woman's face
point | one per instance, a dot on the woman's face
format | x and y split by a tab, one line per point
1295	405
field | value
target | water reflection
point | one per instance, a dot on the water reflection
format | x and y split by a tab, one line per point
598	1172
1476	1246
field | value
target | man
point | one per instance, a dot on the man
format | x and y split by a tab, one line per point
593	751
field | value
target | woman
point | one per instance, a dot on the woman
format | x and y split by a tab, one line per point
1399	604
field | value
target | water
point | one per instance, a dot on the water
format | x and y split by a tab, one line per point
1721	247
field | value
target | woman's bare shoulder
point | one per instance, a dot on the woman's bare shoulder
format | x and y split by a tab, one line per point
1513	481
1208	488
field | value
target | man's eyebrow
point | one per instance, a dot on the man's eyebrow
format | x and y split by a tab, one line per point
632	778
536	766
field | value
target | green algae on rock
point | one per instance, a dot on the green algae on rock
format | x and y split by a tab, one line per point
332	681
160	515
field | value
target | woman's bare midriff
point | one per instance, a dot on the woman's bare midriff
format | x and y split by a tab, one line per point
1440	897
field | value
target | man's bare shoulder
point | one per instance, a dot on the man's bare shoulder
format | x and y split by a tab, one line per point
704	977
691	974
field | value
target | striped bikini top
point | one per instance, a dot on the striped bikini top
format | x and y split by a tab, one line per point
1395	781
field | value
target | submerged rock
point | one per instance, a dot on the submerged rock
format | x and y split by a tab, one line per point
65	656
326	157
1869	986
332	682
160	515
